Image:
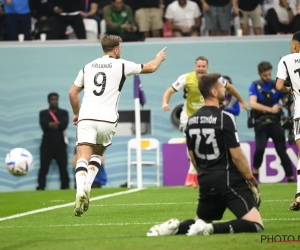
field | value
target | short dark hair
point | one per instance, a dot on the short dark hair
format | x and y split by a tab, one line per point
202	58
109	42
296	37
228	79
264	66
52	94
207	82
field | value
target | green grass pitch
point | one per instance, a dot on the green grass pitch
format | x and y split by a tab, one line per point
121	222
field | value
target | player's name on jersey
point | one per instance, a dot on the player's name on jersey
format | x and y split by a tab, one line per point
297	60
203	120
102	66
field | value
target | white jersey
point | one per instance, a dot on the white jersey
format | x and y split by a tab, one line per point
102	80
289	66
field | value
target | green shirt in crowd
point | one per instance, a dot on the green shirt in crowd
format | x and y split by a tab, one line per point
115	19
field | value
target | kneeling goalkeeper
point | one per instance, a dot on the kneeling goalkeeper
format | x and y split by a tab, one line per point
224	174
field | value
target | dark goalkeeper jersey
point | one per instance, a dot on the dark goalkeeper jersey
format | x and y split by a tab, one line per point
210	133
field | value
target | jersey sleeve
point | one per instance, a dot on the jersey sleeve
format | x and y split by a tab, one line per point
229	130
253	90
131	68
180	83
79	81
281	70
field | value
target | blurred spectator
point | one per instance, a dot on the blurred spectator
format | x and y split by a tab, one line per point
43	12
231	104
282	17
53	122
134	5
217	14
68	14
184	16
1	20
249	9
119	21
168	2
149	17
17	18
90	10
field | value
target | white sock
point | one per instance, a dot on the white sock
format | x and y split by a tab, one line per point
192	169
80	173
93	168
298	177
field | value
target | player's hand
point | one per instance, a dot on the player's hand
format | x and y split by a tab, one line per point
284	3
165	107
254	188
236	10
75	119
161	54
276	109
57	10
83	14
186	29
244	105
53	125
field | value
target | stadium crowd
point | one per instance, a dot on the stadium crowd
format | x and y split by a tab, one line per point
135	20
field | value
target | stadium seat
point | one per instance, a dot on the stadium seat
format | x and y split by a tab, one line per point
203	30
102	28
147	144
70	32
91	29
177	141
167	30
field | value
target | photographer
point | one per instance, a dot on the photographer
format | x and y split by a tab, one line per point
266	113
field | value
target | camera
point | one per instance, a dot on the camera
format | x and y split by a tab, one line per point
287	122
251	121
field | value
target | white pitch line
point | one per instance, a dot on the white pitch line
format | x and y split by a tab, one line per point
67	204
162	203
88	225
126	224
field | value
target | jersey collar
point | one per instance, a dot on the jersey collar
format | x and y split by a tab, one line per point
107	56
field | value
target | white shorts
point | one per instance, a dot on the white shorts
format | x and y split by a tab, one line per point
95	132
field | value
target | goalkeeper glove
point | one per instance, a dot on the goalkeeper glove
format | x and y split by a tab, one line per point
254	188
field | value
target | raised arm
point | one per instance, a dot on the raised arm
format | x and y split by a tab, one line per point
233	91
176	86
153	65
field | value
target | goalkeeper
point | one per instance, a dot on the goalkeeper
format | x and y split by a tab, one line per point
224	174
194	101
